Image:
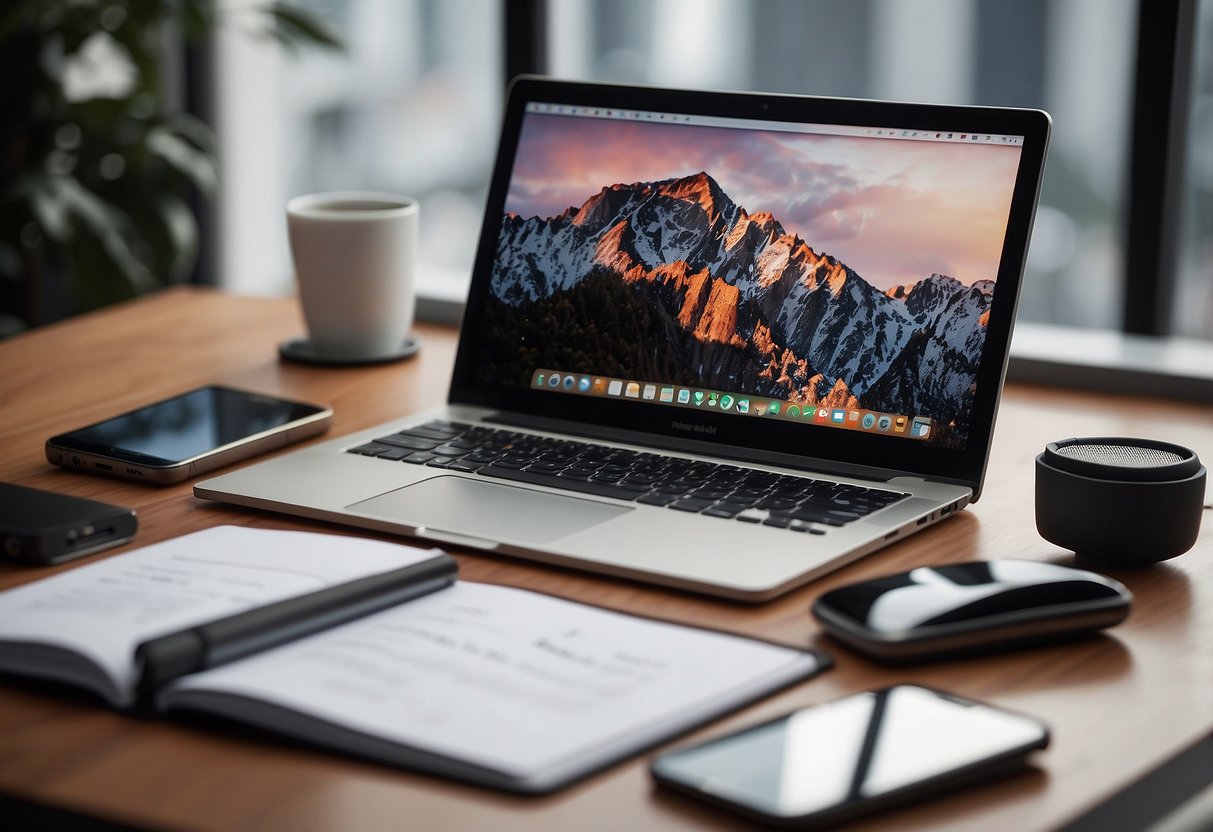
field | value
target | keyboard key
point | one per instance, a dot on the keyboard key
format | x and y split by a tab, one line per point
395	454
812	514
413	443
371	449
655	499
463	465
692	504
776	503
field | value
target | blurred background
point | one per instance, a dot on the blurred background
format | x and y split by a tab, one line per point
410	103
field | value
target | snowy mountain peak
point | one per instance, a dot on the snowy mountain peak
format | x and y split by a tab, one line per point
746	305
701	189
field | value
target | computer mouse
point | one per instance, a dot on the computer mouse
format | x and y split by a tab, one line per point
934	611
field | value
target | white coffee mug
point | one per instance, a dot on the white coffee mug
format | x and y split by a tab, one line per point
354	254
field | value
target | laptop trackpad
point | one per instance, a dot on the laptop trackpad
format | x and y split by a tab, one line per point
486	510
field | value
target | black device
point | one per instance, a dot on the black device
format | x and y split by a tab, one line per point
831	762
42	527
1119	501
181	437
939	610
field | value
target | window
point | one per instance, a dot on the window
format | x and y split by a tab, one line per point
1035	53
412	106
1192	313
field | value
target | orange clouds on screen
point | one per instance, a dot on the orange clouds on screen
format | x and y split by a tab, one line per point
895	211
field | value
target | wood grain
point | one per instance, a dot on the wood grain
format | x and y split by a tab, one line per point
1119	704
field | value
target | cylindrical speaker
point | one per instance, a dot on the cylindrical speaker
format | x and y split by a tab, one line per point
1119	501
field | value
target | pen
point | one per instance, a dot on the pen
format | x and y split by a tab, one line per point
226	639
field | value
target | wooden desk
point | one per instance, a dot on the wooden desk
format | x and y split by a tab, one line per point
1119	705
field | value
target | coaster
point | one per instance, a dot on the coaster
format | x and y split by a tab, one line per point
300	349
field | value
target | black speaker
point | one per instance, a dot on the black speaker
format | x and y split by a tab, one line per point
1119	501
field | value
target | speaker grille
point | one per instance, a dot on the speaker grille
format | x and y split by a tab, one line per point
1125	456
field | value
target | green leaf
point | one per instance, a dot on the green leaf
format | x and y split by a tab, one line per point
73	208
193	130
293	26
198	166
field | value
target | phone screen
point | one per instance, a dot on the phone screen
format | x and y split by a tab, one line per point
185	426
858	752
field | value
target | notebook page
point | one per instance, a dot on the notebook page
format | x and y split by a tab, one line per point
106	609
503	678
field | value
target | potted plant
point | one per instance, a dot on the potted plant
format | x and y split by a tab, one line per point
97	170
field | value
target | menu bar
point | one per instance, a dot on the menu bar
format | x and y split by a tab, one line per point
781	126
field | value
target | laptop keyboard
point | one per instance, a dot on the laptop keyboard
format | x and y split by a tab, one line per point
716	490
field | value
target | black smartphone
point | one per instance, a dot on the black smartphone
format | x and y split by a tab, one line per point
178	438
832	762
42	527
937	611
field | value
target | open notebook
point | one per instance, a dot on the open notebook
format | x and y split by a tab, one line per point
499	686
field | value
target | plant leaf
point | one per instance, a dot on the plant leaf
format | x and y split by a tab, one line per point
196	165
109	226
292	26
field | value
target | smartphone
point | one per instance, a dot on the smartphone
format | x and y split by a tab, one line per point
179	438
832	762
937	611
42	527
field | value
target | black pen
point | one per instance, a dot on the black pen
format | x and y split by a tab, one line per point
226	639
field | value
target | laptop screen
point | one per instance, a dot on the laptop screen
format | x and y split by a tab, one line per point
833	275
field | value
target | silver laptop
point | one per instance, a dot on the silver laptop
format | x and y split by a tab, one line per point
716	341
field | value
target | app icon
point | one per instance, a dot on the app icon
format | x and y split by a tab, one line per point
633	390
921	427
684	396
698	395
650	392
667	395
554	381
884	423
773	409
539	380
568	382
583	384
615	387
726	402
793	411
760	409
711	399
854	417
823	414
838	417
899	424
743	405
599	386
869	419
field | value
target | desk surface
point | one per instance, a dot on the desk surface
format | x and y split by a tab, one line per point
1119	705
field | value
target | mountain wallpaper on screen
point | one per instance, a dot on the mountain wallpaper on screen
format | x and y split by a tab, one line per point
673	281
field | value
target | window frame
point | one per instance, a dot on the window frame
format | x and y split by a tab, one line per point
1157	159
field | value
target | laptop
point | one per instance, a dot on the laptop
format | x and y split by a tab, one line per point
723	342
